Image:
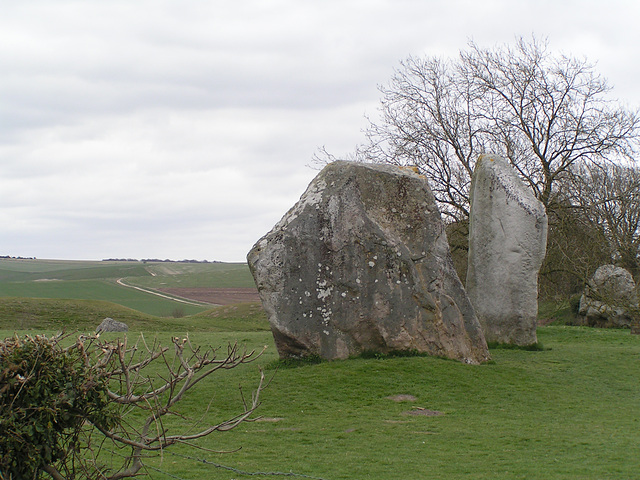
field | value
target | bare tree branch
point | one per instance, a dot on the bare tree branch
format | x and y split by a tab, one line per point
544	113
131	388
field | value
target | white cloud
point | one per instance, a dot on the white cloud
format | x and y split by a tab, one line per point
184	129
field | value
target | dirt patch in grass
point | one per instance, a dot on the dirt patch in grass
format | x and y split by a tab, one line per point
215	296
419	411
269	419
402	398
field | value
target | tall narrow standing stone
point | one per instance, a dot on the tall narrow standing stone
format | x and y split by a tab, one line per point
507	244
362	263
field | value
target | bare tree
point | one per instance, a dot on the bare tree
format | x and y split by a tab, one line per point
158	397
544	113
549	112
610	197
429	120
576	247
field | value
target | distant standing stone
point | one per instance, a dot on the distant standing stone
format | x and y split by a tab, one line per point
111	325
507	244
610	299
361	263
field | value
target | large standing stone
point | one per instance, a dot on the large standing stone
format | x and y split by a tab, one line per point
507	244
361	263
610	299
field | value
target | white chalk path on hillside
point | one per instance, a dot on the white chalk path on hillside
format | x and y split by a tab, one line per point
168	297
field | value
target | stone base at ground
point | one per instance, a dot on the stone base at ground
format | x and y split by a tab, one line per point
361	263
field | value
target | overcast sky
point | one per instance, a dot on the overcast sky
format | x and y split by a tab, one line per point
185	129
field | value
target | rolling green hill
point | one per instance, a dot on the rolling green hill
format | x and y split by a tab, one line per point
34	270
29	314
204	275
83	280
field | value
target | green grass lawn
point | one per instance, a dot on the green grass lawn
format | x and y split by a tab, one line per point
571	411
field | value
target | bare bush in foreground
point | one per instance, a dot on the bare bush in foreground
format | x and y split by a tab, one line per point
64	407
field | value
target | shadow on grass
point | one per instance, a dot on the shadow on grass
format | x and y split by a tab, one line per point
367	354
534	347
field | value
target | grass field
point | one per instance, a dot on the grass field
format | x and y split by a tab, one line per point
211	275
57	279
570	411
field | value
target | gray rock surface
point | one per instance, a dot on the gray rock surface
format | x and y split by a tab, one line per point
111	325
507	244
610	299
361	263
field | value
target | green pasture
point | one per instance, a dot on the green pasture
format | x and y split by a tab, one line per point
188	275
59	279
35	314
571	411
49	271
105	290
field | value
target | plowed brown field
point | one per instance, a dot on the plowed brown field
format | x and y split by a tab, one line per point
215	296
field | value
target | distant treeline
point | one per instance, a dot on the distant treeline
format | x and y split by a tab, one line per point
18	258
156	260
